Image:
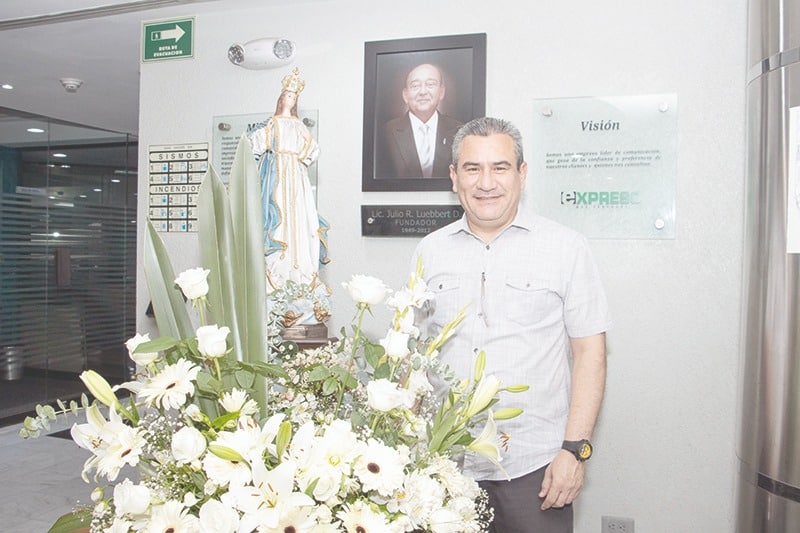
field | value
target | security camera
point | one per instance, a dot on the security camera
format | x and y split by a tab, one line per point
258	54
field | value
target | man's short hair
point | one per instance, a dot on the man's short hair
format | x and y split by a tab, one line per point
484	127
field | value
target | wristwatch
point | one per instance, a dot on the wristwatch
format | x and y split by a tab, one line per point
581	449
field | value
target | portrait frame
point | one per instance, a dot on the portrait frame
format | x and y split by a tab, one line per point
462	62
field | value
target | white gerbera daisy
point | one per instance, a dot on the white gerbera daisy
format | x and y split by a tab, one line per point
380	468
358	517
172	516
170	387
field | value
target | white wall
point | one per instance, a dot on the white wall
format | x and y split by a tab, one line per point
665	441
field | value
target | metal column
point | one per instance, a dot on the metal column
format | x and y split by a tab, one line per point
769	444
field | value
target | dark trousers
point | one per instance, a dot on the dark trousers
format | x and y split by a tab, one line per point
517	505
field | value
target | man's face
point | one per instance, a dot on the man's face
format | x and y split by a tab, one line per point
423	91
488	183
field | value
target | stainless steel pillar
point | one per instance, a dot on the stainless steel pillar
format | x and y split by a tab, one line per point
769	446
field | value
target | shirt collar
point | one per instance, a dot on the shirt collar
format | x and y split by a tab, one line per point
416	122
524	220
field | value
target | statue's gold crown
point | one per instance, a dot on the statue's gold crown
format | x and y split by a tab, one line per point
293	82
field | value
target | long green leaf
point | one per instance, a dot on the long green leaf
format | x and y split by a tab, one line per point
171	314
230	227
248	226
213	219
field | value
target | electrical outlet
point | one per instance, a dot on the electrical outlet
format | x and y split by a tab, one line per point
617	524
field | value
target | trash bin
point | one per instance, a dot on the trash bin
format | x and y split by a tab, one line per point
11	363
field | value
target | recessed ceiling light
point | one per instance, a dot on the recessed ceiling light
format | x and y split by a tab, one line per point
66	166
7	86
115	180
35	130
59	154
97	190
81	196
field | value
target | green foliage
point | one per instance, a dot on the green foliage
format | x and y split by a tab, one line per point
74	521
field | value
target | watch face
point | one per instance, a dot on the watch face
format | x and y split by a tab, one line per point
584	451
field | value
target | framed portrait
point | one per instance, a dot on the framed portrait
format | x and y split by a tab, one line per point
417	93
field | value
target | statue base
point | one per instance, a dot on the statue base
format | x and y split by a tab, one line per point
307	335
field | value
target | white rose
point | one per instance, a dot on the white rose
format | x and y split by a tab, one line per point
396	344
366	289
142	359
218	517
193	282
188	444
211	340
383	395
444	520
131	499
328	482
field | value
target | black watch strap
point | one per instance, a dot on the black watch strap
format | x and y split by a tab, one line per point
581	449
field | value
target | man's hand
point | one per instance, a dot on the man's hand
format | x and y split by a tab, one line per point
563	480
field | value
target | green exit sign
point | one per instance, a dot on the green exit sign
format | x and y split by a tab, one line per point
168	39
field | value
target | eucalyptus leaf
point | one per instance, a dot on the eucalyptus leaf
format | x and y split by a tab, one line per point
244	378
318	373
329	386
382	372
208	383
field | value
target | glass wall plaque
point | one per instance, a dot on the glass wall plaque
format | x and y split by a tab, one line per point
606	166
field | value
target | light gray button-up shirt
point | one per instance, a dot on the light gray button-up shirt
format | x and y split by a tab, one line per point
527	292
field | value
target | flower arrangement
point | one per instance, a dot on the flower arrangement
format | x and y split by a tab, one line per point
219	436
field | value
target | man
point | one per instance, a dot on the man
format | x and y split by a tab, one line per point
417	144
533	298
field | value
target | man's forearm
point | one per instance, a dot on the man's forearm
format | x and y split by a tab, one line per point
588	385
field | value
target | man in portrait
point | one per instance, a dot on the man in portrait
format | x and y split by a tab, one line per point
417	144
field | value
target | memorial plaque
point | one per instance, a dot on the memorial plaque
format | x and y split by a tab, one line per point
606	166
406	220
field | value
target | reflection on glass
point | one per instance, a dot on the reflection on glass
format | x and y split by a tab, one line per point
67	257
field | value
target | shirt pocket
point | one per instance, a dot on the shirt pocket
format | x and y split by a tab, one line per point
448	299
531	300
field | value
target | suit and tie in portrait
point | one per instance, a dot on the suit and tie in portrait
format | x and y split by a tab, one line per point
402	159
418	143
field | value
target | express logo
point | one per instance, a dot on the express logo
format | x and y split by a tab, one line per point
599	198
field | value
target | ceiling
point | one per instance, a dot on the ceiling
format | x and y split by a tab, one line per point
96	41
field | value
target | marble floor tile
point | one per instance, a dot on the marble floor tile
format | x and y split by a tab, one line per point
40	480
